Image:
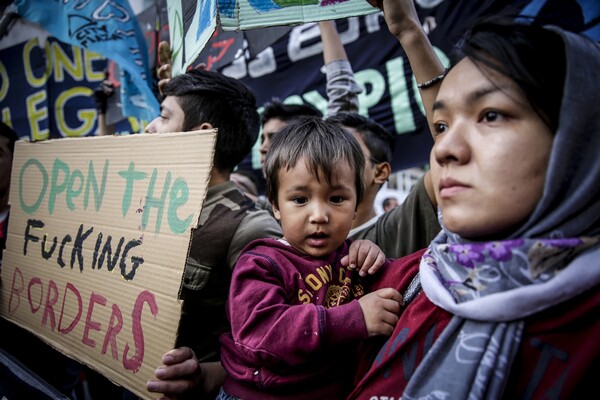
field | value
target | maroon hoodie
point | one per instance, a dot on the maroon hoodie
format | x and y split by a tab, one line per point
296	323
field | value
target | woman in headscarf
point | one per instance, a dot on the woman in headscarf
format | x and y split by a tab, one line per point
507	297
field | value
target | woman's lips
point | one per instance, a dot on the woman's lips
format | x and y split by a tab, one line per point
450	187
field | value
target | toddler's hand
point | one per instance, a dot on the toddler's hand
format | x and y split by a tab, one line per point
364	255
381	309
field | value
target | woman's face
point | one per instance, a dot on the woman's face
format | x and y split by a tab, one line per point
490	154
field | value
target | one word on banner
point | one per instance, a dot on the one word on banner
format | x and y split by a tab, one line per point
97	243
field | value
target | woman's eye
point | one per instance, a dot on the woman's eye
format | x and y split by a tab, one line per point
439	128
491	116
299	200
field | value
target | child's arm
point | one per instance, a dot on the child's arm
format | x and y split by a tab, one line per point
365	255
381	310
274	321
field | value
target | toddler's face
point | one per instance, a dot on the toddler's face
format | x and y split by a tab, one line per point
315	215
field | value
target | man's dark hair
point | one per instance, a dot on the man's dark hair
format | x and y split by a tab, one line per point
380	142
287	112
224	102
7	132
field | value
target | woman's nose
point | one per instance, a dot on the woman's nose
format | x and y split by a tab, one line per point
452	145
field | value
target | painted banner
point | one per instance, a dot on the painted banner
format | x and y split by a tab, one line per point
192	23
38	80
290	69
250	14
97	245
109	28
48	93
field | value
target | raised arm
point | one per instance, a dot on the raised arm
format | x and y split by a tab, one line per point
403	22
342	89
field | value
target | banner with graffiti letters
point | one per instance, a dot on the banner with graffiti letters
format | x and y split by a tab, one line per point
290	69
109	28
192	23
46	90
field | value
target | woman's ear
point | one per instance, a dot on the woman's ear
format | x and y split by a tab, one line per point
382	172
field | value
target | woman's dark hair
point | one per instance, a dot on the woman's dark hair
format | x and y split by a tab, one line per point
322	144
532	56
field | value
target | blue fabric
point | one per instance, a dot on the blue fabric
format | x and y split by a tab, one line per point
108	28
208	12
224	396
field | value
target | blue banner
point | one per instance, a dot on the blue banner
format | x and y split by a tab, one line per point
46	90
290	68
106	27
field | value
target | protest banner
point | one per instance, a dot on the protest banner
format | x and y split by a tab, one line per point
97	243
192	23
109	28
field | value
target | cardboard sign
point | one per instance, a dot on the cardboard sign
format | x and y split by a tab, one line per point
192	23
98	237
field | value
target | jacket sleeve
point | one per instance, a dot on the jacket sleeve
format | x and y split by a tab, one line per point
410	226
342	89
269	328
256	225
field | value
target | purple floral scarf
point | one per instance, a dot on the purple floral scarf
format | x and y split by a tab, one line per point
490	287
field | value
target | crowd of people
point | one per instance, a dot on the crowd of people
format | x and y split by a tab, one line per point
483	283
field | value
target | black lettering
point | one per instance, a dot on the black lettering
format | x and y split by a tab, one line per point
31	223
137	261
46	254
59	260
111	262
78	246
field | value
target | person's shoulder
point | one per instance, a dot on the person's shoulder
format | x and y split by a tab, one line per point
400	272
259	223
270	250
364	231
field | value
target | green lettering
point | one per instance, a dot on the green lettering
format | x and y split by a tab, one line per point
30	209
73	192
130	176
93	183
152	202
370	78
178	197
55	186
404	120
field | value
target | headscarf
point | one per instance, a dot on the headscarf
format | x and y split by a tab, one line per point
491	287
